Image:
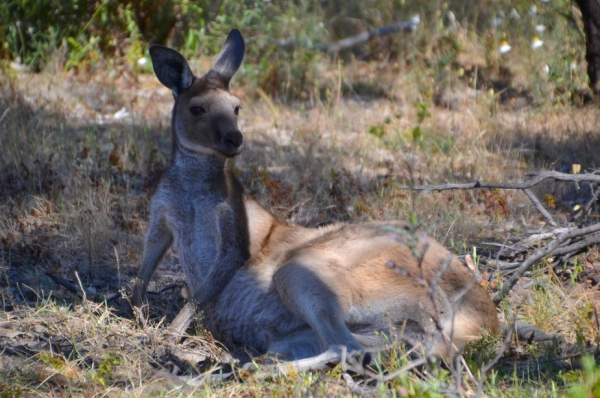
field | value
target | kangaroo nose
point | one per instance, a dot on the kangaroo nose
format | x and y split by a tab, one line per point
233	139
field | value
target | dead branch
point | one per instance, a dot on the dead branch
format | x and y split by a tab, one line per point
414	364
361	38
539	254
166	288
577	247
80	291
539	207
318	362
538	177
353	41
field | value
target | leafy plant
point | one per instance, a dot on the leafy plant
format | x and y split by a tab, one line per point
590	387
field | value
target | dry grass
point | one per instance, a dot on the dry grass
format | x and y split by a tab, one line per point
76	181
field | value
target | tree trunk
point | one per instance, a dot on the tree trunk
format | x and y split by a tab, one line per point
590	10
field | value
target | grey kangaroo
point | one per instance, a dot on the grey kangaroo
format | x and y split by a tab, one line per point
198	206
289	290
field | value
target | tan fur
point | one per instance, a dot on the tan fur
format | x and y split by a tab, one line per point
353	261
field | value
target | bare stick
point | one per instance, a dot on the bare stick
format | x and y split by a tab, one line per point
81	287
414	364
353	41
74	290
166	288
363	37
527	264
313	363
576	247
538	177
539	207
4	115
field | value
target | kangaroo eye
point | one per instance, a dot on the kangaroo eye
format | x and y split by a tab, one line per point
237	109
197	110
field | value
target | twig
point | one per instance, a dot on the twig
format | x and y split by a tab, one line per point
353	41
313	363
6	111
576	247
414	364
363	37
539	207
594	199
164	289
74	290
528	263
64	283
81	286
538	177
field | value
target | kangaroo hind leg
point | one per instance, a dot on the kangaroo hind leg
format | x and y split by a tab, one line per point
296	345
312	300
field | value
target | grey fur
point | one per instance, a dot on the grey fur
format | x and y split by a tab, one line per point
171	68
198	207
293	291
231	56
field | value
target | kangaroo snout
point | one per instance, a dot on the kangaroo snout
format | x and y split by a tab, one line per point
231	143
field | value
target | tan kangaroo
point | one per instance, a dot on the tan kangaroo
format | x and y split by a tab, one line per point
284	289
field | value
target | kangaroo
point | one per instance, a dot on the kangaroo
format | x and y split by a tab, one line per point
198	207
292	291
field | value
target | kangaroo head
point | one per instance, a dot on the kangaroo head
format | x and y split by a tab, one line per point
205	113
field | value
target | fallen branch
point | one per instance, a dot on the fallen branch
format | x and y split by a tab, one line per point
353	41
538	177
539	207
80	291
363	37
539	254
318	362
166	288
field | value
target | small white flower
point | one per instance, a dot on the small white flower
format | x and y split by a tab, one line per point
451	19
540	28
121	114
573	66
536	43
504	47
533	11
142	61
514	15
546	69
416	19
350	209
497	22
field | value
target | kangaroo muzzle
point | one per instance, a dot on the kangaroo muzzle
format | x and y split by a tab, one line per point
231	143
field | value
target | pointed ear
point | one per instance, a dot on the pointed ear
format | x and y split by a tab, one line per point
231	56
171	68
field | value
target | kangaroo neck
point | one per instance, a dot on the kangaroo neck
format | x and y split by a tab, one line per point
201	166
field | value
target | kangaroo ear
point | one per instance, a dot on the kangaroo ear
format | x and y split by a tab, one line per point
171	68
231	56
